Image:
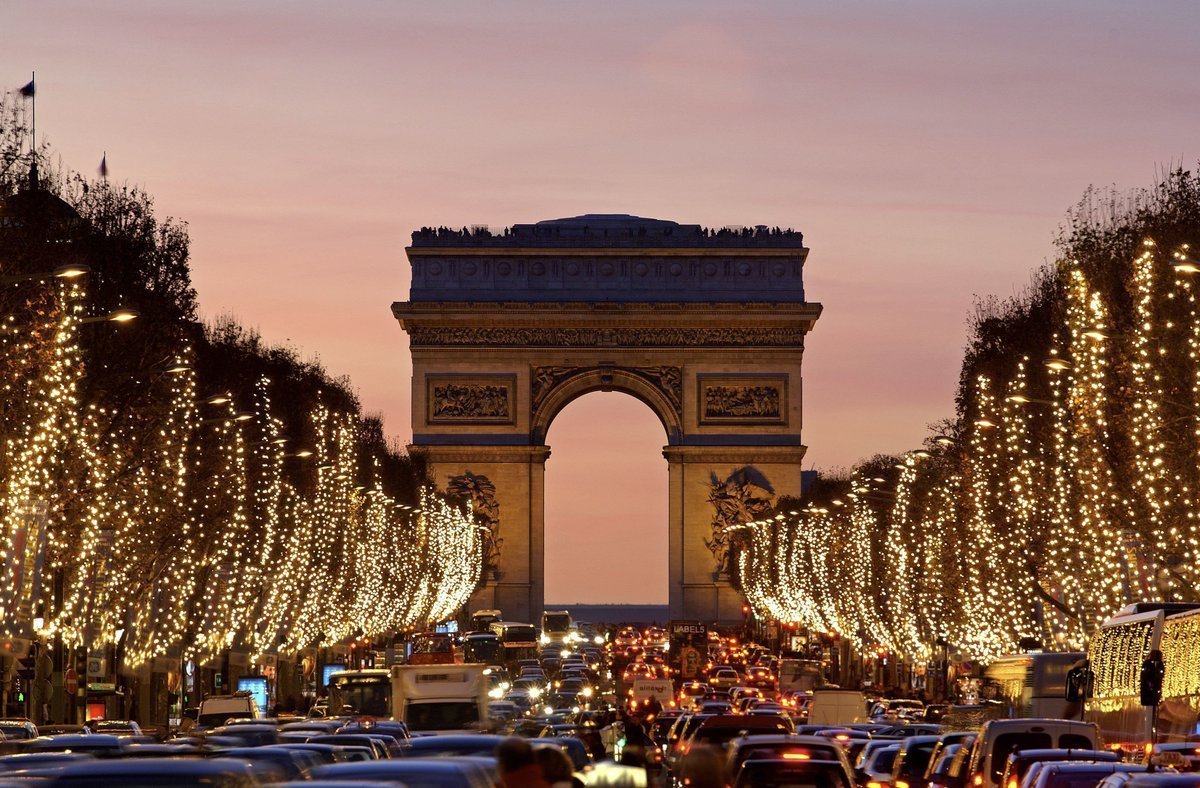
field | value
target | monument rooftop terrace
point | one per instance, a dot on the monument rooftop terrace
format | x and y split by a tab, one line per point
608	258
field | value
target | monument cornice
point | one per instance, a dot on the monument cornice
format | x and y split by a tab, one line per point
521	312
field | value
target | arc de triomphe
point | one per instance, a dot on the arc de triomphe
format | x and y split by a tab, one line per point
706	327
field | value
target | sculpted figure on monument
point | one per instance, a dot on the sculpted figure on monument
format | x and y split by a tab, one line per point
481	492
743	497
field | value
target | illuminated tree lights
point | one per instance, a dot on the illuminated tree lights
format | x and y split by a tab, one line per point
209	545
1068	492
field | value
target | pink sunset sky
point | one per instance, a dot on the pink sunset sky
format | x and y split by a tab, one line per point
927	150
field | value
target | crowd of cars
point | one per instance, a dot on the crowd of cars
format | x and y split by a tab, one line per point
574	708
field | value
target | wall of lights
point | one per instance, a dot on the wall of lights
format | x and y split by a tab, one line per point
210	545
1066	491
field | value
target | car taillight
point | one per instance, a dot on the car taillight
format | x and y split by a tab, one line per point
977	779
1012	782
901	784
796	756
874	784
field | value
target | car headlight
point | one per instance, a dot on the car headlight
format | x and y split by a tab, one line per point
496	693
544	639
535	692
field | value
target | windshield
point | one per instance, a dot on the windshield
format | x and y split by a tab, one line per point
556	622
368	695
456	715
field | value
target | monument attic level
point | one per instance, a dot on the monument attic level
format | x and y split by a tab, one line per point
706	327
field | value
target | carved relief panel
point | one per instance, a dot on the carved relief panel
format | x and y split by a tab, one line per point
743	399
470	399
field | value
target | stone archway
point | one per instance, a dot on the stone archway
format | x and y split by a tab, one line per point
707	328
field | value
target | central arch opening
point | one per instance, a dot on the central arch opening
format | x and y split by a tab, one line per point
606	504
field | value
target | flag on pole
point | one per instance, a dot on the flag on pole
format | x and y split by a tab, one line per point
29	90
103	168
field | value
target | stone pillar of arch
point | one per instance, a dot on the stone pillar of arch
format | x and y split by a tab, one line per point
706	329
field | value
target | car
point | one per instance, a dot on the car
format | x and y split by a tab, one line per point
98	744
891	710
875	767
723	677
250	735
411	772
215	710
181	772
451	745
290	764
1019	761
14	729
1183	756
761	677
1150	780
39	761
720	729
908	770
904	731
998	738
115	727
376	746
1071	774
769	774
941	773
786	747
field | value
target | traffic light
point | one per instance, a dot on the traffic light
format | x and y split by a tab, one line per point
1153	671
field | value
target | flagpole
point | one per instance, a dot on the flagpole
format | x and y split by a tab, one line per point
33	144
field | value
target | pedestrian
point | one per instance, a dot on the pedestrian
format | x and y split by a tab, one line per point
703	767
517	766
556	767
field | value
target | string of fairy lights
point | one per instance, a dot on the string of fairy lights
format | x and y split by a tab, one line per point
1068	491
209	545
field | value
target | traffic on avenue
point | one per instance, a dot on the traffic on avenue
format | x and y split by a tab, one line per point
482	701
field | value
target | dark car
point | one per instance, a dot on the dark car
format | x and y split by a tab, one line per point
941	772
98	744
1018	763
913	761
17	729
289	764
39	761
442	746
777	774
1068	774
413	773
218	772
250	735
720	729
783	748
354	740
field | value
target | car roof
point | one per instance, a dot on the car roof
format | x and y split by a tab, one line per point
146	766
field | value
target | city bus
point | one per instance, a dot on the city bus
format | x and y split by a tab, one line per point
520	641
1115	657
482	620
556	625
1030	685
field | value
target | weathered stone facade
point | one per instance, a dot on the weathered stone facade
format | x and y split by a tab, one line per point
707	328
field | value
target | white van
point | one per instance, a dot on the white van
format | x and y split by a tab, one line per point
215	710
998	738
836	707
